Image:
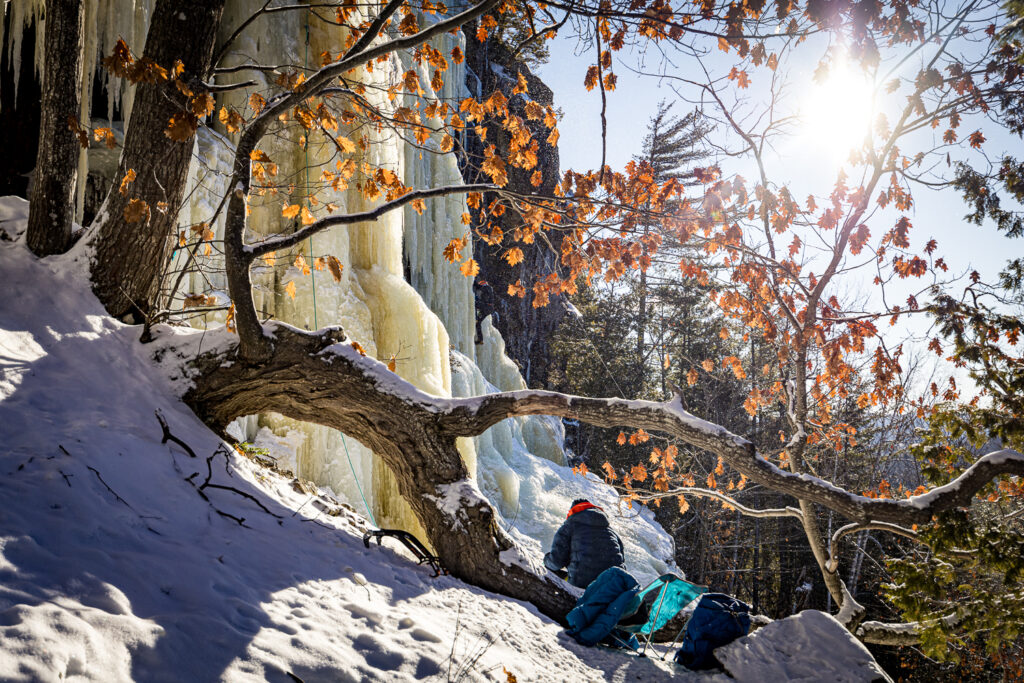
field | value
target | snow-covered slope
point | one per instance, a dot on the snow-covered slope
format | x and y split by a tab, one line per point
112	567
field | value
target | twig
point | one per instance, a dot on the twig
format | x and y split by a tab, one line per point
63	450
171	437
207	484
119	498
66	480
244	495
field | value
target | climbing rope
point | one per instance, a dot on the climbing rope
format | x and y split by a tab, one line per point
316	324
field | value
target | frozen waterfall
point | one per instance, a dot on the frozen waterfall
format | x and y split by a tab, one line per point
398	297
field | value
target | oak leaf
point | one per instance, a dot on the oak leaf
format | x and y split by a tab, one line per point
182	126
136	211
257	103
335	266
202	104
128	179
514	256
106	135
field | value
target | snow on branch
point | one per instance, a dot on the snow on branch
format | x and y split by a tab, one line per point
469	417
718	495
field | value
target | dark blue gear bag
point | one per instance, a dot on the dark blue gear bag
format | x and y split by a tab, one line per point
718	619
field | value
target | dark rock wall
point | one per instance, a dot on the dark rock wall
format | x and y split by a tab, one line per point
527	330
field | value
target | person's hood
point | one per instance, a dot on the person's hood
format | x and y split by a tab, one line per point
588	514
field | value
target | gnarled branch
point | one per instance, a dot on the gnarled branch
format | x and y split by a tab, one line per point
471	416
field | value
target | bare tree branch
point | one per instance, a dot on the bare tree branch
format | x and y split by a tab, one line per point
284	241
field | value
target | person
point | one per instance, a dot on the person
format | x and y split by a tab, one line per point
585	544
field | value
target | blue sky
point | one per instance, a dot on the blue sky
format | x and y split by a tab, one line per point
801	161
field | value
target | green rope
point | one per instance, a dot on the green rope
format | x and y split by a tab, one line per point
358	487
316	325
312	269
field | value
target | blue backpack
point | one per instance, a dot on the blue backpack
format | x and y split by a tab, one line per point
718	619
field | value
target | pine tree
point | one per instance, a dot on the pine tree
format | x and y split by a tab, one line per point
671	147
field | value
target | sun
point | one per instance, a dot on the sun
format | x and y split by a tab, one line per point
836	114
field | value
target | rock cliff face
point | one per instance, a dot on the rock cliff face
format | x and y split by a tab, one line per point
527	330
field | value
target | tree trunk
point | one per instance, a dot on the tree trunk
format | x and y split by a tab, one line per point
53	193
314	378
129	256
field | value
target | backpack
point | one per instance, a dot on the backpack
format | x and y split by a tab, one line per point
718	619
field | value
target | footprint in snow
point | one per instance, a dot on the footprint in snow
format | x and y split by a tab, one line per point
378	654
427	667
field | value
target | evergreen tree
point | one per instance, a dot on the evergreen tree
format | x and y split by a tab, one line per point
670	148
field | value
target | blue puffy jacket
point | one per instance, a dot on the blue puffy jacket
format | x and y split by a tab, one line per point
586	545
604	602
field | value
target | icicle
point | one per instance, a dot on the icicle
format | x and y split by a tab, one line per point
426	324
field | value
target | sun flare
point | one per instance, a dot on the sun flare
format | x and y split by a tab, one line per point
836	114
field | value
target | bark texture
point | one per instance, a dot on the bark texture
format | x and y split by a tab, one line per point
53	194
129	256
317	378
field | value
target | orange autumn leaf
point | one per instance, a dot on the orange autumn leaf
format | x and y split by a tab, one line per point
335	266
182	126
358	347
136	211
622	439
307	217
231	119
470	268
514	256
256	103
453	251
106	135
202	104
290	288
291	211
128	179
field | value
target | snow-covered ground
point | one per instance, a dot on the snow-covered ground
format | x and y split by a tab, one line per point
112	567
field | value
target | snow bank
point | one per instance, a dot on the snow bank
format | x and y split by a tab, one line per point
810	646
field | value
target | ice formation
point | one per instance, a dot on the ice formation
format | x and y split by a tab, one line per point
398	297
